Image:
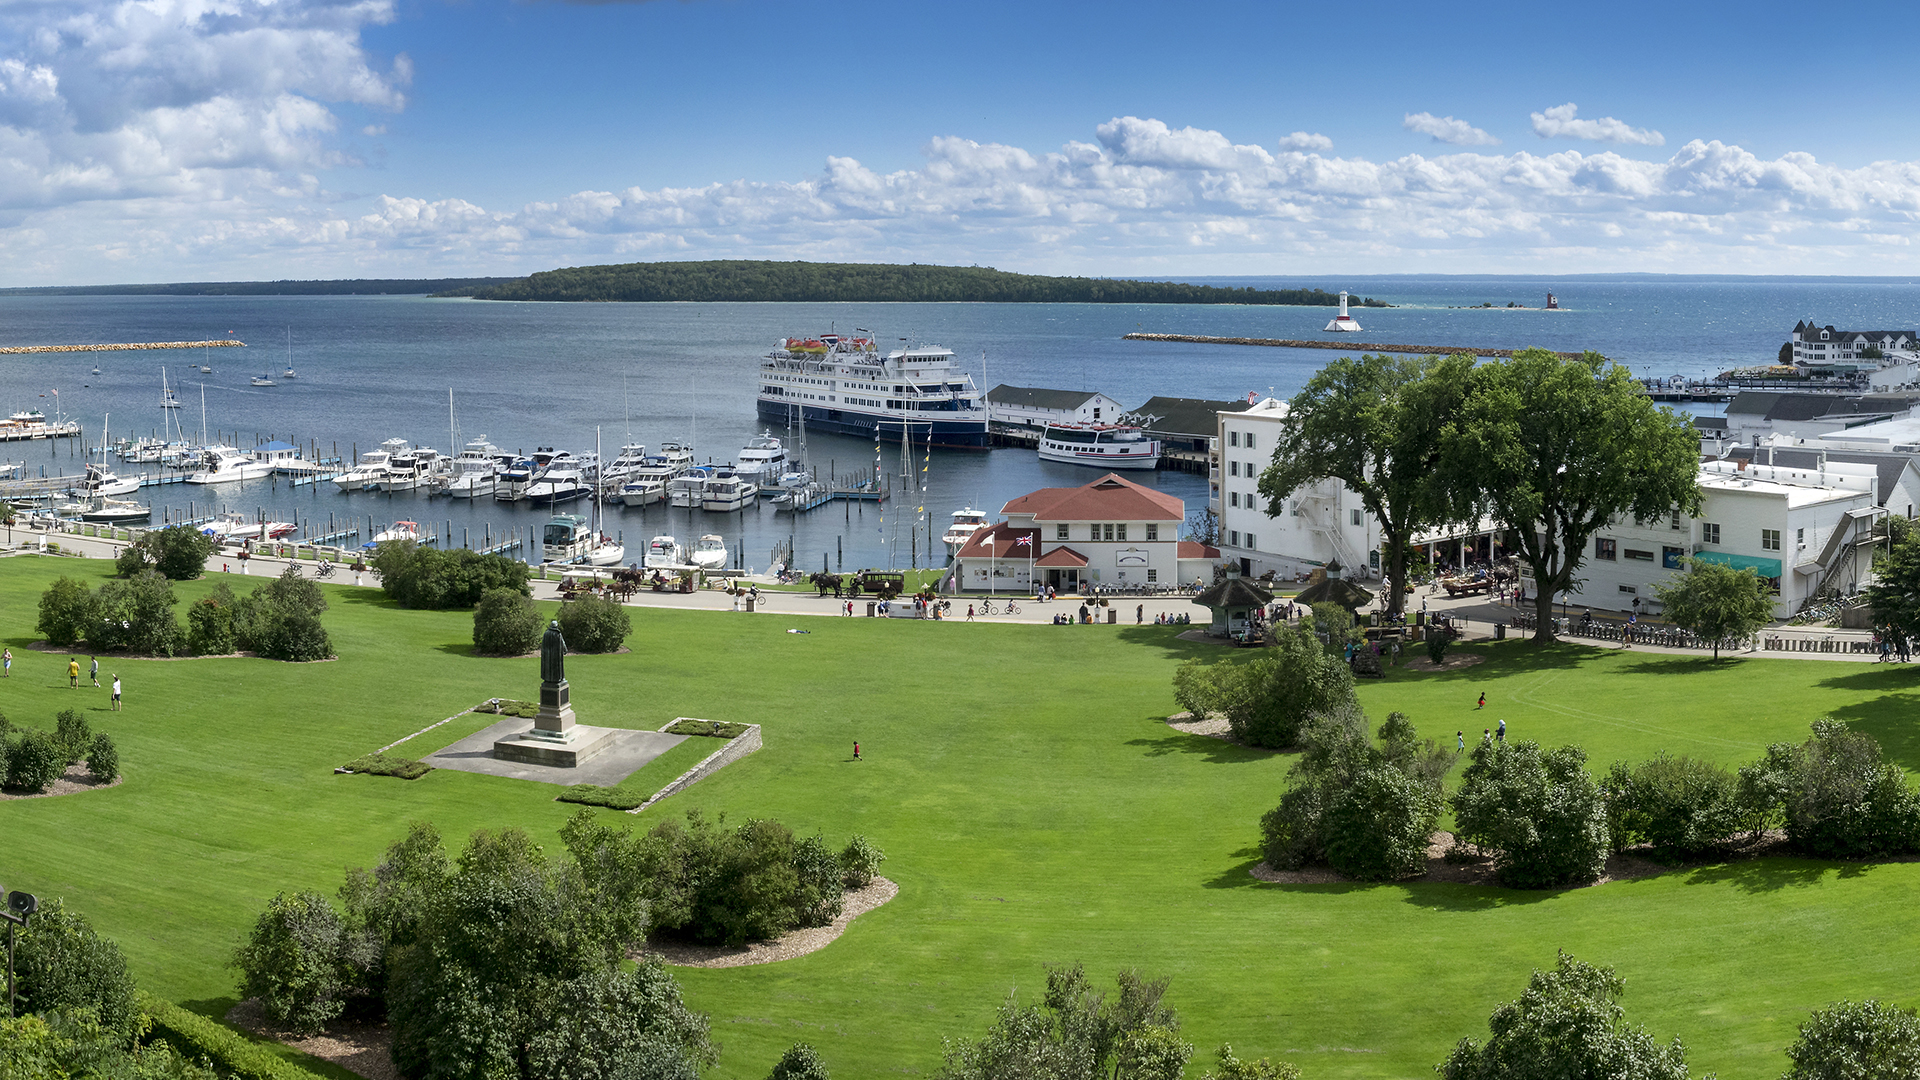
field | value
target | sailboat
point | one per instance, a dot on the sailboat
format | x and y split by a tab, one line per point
167	399
289	374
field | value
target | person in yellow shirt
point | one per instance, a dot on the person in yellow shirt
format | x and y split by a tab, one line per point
73	674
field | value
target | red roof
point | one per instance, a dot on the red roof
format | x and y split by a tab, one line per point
1110	498
1194	549
1006	543
1062	557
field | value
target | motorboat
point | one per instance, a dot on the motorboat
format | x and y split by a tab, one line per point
709	553
262	380
473	473
115	511
677	456
401	530
632	458
569	538
407	469
372	466
233	526
1104	446
558	485
513	479
762	460
728	492
966	522
689	488
643	492
100	482
143	451
663	552
226	464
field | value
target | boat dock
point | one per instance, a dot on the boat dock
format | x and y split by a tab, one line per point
833	495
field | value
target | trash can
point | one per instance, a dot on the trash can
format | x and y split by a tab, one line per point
869	609
750	602
1499	631
1113	616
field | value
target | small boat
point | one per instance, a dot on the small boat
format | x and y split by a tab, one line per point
966	522
289	374
558	485
262	380
113	511
709	553
1104	446
728	492
372	466
643	492
167	398
96	369
401	530
233	526
205	370
225	464
687	489
762	460
100	482
663	553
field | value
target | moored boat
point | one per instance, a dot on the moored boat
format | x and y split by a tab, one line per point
727	492
663	552
709	553
643	492
966	522
845	385
226	464
1106	446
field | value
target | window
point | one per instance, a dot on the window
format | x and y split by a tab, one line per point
1249	440
1233	538
1251	542
1709	533
1060	532
1676	520
1358	519
1769	539
1122	530
1800	537
1153	533
1233	468
1629	589
1109	529
1152	574
1233	498
1638	555
1604	548
1233	438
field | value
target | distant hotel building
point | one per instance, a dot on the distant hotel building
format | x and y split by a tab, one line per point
1826	345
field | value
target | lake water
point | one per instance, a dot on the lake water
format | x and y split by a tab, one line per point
526	375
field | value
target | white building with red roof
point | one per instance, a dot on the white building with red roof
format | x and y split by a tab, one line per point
1108	532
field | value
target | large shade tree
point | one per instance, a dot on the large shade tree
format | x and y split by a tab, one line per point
1376	424
1557	447
1716	601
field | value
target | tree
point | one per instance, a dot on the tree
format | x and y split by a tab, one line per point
66	612
1203	527
1267	699
1377	425
281	620
292	962
506	624
421	577
1233	1068
594	624
1894	595
1838	794
62	963
136	616
1075	1033
178	552
1716	601
1856	1040
1540	815
1557	448
1368	810
103	759
35	759
1680	805
800	1062
1567	1024
210	629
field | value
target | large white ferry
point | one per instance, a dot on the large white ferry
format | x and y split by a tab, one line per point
847	386
1109	446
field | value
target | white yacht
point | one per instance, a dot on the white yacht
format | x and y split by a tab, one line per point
262	380
514	478
100	482
168	400
632	458
677	456
966	522
473	473
372	466
408	469
557	485
401	530
234	526
762	460
689	488
116	511
663	552
643	492
1105	446
225	464
728	492
709	553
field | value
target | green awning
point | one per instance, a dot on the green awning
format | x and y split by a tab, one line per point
1766	568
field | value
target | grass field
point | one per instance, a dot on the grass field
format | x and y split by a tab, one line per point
1033	807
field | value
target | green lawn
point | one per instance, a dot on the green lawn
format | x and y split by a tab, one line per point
1033	808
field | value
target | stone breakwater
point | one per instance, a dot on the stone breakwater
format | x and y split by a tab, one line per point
223	343
1347	346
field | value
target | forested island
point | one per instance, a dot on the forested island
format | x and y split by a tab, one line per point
335	287
739	280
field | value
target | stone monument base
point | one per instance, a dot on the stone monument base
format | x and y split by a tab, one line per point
537	747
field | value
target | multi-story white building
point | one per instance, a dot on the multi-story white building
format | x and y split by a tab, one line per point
1037	407
1825	345
1110	531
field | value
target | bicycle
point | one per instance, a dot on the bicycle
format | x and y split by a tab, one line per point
1011	609
986	608
325	570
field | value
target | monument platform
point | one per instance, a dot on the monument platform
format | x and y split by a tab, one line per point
537	747
624	753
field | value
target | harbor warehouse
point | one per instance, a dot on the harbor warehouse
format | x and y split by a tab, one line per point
1111	531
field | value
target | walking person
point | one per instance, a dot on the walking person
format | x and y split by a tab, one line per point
95	673
116	693
1502	733
856	751
1483	701
969	612
73	674
1460	739
6	665
1139	614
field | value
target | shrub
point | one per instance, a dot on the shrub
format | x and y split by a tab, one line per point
718	729
1075	1031
1856	1040
1267	699
210	630
506	624
178	552
631	1025
1368	810
73	734
816	897
418	577
800	1062
1680	805
66	612
35	759
136	616
613	798
62	963
381	765
594	624
64	1044
722	885
1566	1024
1837	794
292	962
131	560
1232	1068
859	863
103	759
294	592
1540	815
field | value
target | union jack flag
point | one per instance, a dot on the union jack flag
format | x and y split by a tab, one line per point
1024	541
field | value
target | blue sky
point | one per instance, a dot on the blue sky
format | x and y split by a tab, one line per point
156	140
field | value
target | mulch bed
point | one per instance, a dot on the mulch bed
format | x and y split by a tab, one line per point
61	650
1453	662
855	902
75	780
1213	726
364	1048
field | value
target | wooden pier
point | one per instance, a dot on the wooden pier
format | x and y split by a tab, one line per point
833	495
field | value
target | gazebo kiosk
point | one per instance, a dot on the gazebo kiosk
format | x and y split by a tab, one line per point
1334	589
1232	602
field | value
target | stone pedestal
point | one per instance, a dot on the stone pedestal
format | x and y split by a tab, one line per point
556	710
555	739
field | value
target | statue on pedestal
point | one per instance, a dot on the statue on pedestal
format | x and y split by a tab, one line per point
553	655
556	713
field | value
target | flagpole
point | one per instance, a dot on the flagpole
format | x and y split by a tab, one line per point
992	566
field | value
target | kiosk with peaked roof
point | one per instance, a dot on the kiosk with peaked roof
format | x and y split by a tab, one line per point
1233	600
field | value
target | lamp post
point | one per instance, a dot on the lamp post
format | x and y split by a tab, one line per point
19	907
992	567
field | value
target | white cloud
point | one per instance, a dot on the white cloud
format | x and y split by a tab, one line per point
1562	122
1446	129
1301	140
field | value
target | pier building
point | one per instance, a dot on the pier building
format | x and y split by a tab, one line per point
1111	531
1034	406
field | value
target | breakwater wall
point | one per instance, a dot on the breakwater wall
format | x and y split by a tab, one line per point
1346	346
222	343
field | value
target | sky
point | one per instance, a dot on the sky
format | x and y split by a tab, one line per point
181	140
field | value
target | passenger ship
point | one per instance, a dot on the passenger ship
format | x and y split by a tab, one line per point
1109	446
847	386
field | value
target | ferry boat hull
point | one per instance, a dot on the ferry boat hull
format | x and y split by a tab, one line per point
954	434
